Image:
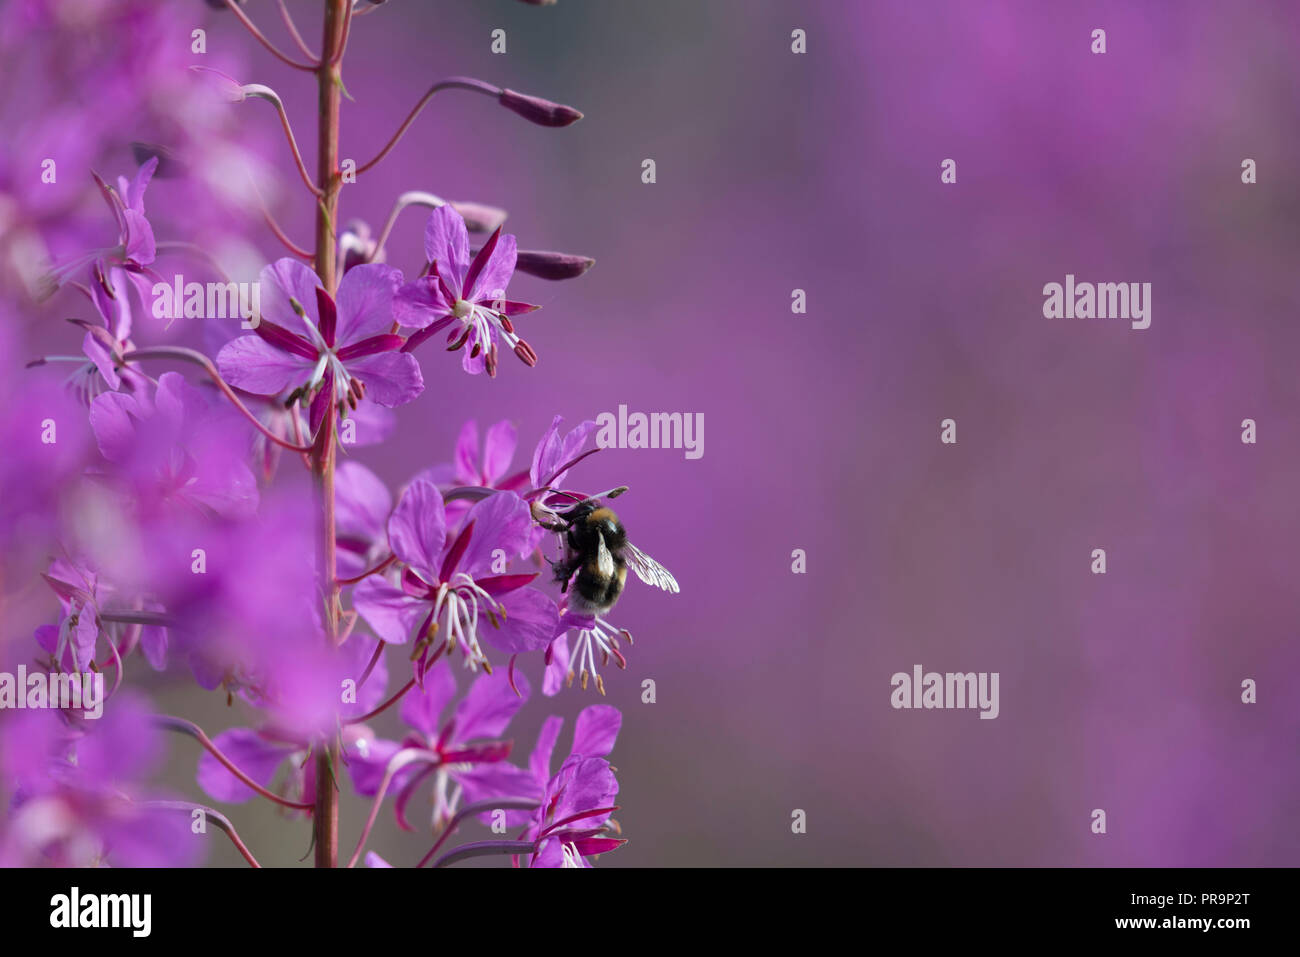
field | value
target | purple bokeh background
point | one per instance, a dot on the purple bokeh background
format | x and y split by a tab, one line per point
820	171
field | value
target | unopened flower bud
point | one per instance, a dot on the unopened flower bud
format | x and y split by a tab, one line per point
549	265
537	110
227	87
480	218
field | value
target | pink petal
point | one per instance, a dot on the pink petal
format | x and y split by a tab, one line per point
417	530
391	378
254	365
596	730
446	242
365	301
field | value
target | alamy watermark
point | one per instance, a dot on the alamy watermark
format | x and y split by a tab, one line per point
208	300
654	430
1104	300
948	690
80	692
130	911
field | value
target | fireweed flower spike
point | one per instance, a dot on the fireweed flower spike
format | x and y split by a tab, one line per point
467	295
346	352
453	589
155	534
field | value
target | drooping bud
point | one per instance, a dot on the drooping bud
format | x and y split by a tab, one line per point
478	217
227	87
550	265
539	111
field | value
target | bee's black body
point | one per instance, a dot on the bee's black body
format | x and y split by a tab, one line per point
594	543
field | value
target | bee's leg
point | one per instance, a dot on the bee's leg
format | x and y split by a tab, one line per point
563	572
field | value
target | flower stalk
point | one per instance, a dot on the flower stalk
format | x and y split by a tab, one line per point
325	821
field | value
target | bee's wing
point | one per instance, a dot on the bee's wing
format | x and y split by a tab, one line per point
604	560
649	570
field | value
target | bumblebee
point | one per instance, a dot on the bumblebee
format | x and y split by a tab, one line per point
597	556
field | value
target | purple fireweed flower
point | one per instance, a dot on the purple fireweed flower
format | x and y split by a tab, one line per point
555	454
366	424
347	351
83	594
457	749
136	247
575	814
593	636
467	295
101	368
459	587
298	712
594	734
174	449
80	792
486	468
103	345
476	476
471	468
575	803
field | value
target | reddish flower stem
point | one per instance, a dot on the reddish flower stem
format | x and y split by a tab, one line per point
261	38
455	83
386	705
181	726
198	358
293	147
217	818
293	32
500	804
325	821
398	761
366	574
482	848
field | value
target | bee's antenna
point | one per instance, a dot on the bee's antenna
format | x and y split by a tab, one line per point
612	493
